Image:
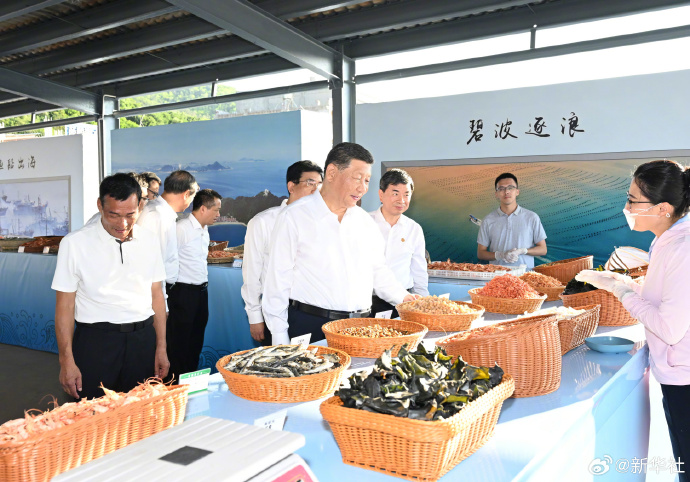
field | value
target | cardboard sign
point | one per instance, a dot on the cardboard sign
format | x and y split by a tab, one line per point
301	340
46	249
384	314
21	249
197	381
274	421
237	263
445	295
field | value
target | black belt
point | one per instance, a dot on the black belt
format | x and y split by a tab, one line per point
121	327
202	286
330	314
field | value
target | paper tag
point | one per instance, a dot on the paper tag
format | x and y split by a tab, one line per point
21	249
445	295
197	381
237	263
384	314
46	249
301	340
274	421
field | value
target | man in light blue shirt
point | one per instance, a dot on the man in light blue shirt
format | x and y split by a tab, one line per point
511	235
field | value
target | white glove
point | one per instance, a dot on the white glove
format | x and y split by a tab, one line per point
504	256
606	280
515	254
280	338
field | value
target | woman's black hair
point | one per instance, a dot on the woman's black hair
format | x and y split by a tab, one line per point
665	181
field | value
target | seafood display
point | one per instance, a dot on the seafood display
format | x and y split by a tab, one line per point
422	385
282	361
484	330
561	312
482	268
37	423
538	280
375	331
223	254
508	286
574	286
434	305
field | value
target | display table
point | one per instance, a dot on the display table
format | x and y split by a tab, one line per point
601	408
27	305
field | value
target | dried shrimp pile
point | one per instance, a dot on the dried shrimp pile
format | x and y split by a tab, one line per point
434	305
538	280
375	331
485	330
482	268
68	413
508	286
222	254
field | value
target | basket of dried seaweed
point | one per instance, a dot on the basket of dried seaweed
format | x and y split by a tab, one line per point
284	373
418	415
509	295
440	314
370	337
527	348
613	313
565	269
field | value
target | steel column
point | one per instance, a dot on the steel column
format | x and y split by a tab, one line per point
106	124
344	101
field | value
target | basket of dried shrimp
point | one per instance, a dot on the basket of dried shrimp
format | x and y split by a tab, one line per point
308	382
509	295
370	337
527	348
41	446
418	450
440	314
613	313
566	269
548	285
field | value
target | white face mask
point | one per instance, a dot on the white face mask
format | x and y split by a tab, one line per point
630	217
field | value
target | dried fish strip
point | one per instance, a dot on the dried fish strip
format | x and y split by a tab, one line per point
282	362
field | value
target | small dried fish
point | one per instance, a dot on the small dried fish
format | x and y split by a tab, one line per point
282	362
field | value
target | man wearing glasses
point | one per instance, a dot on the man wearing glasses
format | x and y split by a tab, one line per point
154	185
303	178
511	235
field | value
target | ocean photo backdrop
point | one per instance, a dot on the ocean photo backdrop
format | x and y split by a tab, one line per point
580	204
242	157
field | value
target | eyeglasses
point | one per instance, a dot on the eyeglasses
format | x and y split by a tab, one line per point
635	202
506	189
310	182
155	193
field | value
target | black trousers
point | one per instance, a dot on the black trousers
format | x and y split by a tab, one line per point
675	401
302	323
118	360
187	319
378	305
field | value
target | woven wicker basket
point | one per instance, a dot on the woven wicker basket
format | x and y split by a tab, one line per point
613	313
528	348
414	449
552	293
457	322
507	306
372	347
42	457
566	269
573	331
285	390
218	247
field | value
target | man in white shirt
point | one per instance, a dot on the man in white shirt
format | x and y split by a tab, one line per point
160	215
153	185
188	298
303	178
327	255
404	239
511	235
108	279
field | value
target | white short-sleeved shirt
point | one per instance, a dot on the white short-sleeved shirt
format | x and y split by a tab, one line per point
405	251
522	229
159	218
112	280
192	244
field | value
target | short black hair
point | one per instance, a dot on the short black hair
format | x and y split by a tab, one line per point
141	179
151	176
394	177
665	181
506	175
179	182
343	153
205	197
120	187
295	171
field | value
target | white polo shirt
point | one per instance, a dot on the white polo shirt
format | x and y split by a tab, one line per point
159	218
192	244
257	242
112	280
405	251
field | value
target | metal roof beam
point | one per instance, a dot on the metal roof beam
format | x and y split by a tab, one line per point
87	22
43	125
14	109
300	8
267	31
16	8
48	91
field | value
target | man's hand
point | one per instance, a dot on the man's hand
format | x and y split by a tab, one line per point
411	297
162	364
518	251
70	378
504	257
257	331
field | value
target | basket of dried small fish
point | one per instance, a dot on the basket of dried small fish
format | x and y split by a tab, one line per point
566	269
418	415
284	373
370	337
440	314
